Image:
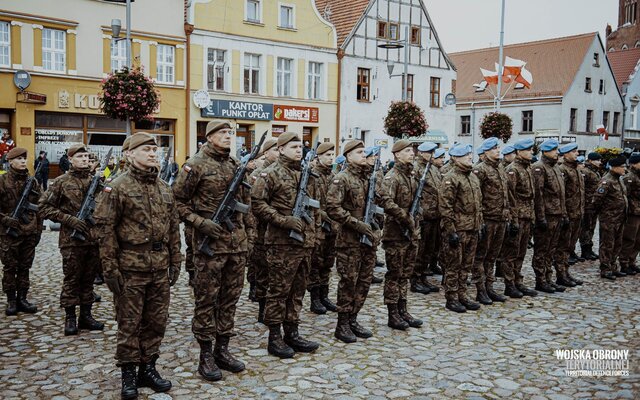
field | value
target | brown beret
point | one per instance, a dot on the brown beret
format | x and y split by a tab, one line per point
351	145
268	145
215	125
125	144
288	137
16	152
76	148
400	145
140	139
324	147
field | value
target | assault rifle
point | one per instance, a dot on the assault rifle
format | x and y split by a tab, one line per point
415	205
89	201
229	205
303	201
372	209
20	212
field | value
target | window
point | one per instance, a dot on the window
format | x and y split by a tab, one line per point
527	121
164	64
587	85
601	89
589	126
572	120
634	116
5	44
605	120
453	86
394	31
54	50
216	63
409	87
314	81
253	10
251	73
596	59
630	10
465	125
286	17
283	77
415	35
382	30
616	120
435	92
118	54
363	84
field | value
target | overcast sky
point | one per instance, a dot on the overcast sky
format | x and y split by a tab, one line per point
473	24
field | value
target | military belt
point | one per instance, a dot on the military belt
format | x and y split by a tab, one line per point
151	246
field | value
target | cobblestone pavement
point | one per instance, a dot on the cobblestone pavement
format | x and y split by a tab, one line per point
501	351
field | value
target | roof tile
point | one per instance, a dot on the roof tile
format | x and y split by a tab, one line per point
343	14
623	63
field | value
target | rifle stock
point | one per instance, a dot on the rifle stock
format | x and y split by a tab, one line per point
19	212
372	209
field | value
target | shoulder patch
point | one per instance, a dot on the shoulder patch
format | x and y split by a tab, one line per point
601	190
107	189
187	168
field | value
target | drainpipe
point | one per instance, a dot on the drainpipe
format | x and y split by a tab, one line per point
340	55
624	112
188	30
473	127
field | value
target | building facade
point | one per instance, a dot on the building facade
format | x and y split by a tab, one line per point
265	65
627	34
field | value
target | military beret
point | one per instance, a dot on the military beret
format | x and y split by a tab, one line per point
324	147
489	144
568	148
617	161
76	148
288	137
593	156
215	125
635	158
400	145
460	150
549	145
508	149
427	147
268	144
351	145
340	159
480	151
524	144
580	159
371	151
16	152
439	153
141	139
125	144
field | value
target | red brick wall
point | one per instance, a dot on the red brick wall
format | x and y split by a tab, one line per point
628	35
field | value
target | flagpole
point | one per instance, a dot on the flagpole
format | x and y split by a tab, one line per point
501	69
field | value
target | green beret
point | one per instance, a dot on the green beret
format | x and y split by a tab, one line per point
324	147
400	145
141	139
16	152
288	137
351	145
215	125
76	148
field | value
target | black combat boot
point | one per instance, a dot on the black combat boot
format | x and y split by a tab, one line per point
574	279
99	279
468	304
629	270
482	295
607	275
454	305
556	287
86	320
316	305
252	292
207	367
587	253
23	304
261	304
499	271
634	268
418	287
526	291
493	295
543	286
512	291
376	280
70	323
12	308
432	288
277	347
297	342
572	259
129	389
402	310
433	267
324	299
343	329
223	358
617	273
148	376
357	329
563	279
577	257
395	320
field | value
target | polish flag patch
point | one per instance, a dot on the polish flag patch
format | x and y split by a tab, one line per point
187	168
107	189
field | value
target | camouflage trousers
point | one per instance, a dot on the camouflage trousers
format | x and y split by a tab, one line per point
142	311
630	241
459	261
217	285
514	251
188	263
567	245
355	268
487	252
400	258
17	258
261	266
428	247
545	245
322	260
588	228
79	265
288	275
610	244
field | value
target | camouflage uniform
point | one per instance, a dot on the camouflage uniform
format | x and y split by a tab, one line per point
591	176
610	203
574	196
430	224
631	235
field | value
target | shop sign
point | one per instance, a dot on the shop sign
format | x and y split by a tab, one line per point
31	97
296	114
238	110
56	141
91	101
384	143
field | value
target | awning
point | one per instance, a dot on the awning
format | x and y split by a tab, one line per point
435	136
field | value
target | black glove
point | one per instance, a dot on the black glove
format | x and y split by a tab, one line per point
542	225
565	224
77	224
114	282
174	273
293	223
483	232
454	239
210	228
11	223
514	229
364	229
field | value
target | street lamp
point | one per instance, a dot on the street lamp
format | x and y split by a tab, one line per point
404	43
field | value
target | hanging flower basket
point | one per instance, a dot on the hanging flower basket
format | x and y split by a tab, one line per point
128	94
498	125
405	119
608	153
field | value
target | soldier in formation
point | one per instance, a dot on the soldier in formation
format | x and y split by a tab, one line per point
631	233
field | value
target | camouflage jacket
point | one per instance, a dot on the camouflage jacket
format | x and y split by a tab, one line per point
460	201
199	189
522	187
496	202
346	202
429	199
504	164
632	184
261	226
549	189
396	195
325	176
591	175
273	197
64	197
573	189
610	199
11	186
138	223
